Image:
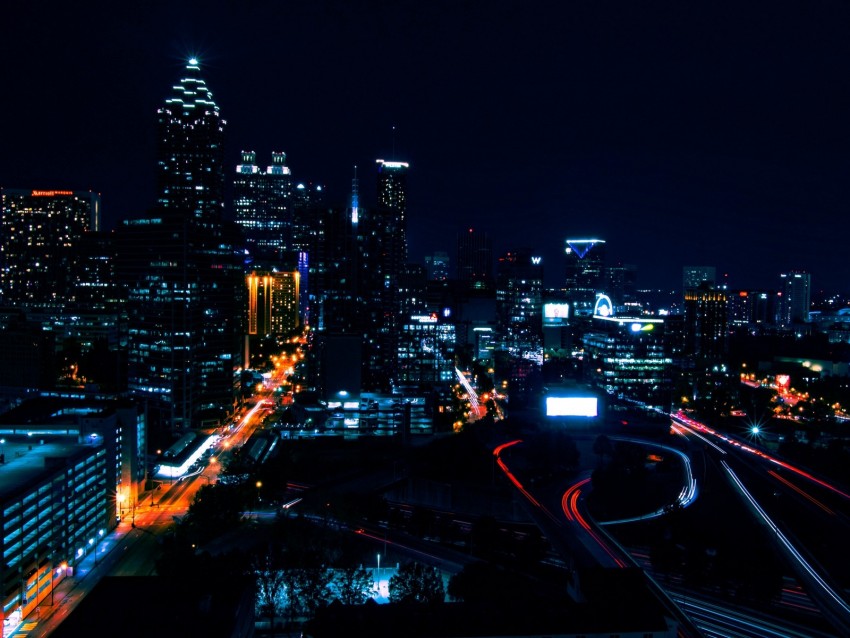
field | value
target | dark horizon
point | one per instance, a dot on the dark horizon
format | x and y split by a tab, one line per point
713	134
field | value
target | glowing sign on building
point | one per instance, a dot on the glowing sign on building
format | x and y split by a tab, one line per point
603	307
51	193
555	314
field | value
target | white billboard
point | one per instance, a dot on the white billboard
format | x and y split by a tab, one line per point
572	406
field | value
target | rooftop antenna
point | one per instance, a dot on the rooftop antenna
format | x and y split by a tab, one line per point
393	143
355	198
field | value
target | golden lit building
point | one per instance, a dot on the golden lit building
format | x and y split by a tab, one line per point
272	302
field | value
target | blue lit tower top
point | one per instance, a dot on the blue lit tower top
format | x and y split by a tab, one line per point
584	274
190	150
355	198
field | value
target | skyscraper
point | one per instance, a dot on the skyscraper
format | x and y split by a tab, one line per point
795	303
190	158
40	236
383	248
584	275
519	304
706	322
184	273
438	266
475	260
262	205
392	211
693	276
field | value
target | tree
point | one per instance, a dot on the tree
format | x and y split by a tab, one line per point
270	583
417	583
354	585
314	588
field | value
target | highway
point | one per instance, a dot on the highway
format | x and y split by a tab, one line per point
807	517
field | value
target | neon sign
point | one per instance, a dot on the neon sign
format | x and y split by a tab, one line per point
603	307
51	193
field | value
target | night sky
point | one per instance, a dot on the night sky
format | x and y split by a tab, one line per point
683	133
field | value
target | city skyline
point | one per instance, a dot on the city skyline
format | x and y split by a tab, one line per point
712	135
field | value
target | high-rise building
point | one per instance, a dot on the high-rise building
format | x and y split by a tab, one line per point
627	356
694	276
475	260
262	204
183	270
426	351
753	308
519	304
795	302
40	236
190	154
437	266
706	322
272	302
584	274
383	238
391	214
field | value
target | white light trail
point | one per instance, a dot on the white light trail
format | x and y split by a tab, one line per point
781	537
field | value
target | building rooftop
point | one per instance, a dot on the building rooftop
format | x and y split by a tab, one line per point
26	460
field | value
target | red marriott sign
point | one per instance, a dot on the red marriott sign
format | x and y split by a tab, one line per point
51	193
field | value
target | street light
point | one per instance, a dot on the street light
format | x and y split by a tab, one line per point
56	571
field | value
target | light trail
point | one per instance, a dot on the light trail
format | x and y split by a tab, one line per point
829	591
687	494
800	491
716	620
470	392
691	424
513	479
569	504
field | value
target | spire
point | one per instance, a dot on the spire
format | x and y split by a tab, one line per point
355	197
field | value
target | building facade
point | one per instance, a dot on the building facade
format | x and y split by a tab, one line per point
183	269
796	297
519	304
627	357
40	236
262	205
475	260
584	274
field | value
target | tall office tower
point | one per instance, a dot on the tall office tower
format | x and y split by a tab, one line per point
413	290
384	248
475	260
795	302
307	200
519	304
392	208
584	275
183	270
426	351
437	266
262	205
272	302
40	235
694	276
190	154
706	322
620	286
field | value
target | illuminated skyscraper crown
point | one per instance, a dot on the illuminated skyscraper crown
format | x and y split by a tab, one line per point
192	92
